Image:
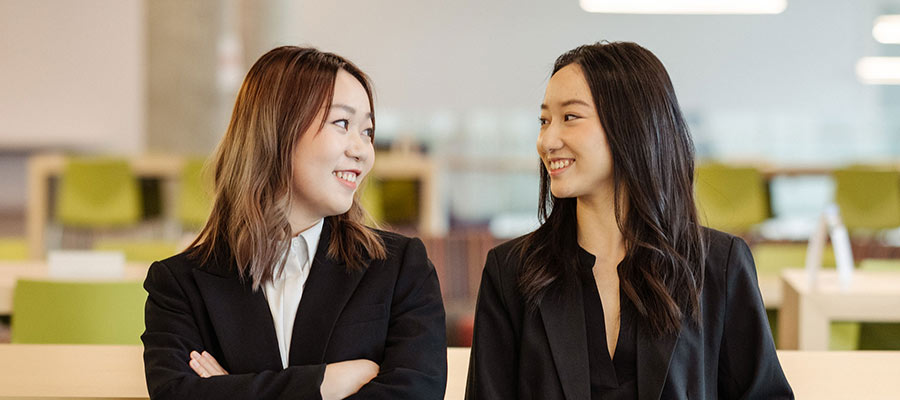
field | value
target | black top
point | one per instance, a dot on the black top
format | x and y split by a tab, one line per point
611	377
391	313
524	352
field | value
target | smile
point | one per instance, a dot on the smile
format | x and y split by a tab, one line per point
558	166
348	178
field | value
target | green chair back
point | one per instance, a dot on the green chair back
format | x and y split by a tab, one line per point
772	258
731	199
400	201
195	199
371	200
57	312
98	193
13	249
139	251
868	198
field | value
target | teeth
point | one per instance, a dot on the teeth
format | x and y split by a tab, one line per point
559	164
347	176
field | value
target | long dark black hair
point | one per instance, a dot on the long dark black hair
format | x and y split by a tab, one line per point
653	175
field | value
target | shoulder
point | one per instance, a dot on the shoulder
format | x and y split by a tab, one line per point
180	266
503	262
404	251
721	246
728	257
507	253
395	243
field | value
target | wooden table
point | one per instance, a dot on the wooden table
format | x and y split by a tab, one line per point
11	271
807	312
117	372
37	371
167	168
825	375
771	291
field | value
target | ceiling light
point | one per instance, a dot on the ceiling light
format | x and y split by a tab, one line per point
879	70
684	6
887	29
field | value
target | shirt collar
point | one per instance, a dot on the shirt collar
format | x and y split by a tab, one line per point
311	236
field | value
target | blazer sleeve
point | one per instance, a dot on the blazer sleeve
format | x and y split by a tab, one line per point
493	360
415	355
170	335
748	365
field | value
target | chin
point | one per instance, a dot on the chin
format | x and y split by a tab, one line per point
560	193
338	209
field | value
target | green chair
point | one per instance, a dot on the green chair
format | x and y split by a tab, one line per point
879	335
400	201
58	312
370	198
731	199
13	249
772	258
98	193
139	251
868	198
194	200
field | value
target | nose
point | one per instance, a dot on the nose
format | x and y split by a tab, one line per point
356	148
548	140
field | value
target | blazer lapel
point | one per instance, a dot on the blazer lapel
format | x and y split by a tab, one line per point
327	290
563	314
241	319
653	357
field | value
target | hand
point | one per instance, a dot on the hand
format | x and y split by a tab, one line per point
205	365
345	378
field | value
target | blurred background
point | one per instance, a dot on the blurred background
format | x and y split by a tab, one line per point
109	108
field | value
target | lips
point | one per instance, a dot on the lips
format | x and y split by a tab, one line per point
557	166
347	177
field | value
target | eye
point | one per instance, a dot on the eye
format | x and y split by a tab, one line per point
543	121
370	133
343	123
570	117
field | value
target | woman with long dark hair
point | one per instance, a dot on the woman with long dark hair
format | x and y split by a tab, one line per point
285	293
620	293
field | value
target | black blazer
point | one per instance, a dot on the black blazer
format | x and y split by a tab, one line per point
517	354
391	313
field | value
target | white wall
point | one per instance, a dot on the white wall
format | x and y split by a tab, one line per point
72	75
776	87
774	75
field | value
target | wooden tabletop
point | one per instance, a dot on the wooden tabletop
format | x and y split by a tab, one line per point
36	371
117	372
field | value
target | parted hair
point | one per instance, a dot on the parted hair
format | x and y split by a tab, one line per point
653	173
283	93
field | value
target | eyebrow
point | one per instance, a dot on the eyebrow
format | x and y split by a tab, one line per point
567	103
350	110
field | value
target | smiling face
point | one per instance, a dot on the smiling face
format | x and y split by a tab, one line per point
330	162
572	143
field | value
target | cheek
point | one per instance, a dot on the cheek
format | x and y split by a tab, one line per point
369	160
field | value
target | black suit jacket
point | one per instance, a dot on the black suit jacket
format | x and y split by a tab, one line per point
517	354
390	313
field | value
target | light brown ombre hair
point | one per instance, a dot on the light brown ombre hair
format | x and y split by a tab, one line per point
280	99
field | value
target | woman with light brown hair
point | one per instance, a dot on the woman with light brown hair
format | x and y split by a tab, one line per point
285	293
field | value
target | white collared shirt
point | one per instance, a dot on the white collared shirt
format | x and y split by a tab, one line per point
286	289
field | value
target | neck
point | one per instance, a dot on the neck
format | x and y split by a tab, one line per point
301	222
598	230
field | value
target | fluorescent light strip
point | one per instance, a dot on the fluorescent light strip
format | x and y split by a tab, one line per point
684	6
887	29
879	70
